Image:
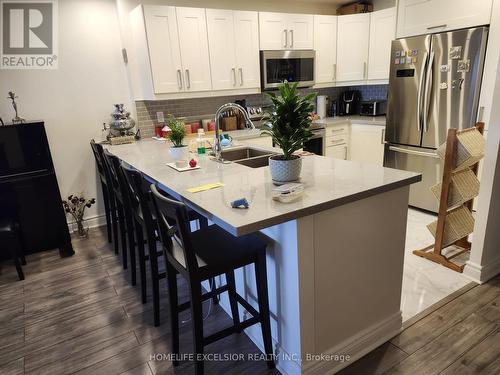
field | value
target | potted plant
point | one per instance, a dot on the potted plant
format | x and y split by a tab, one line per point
176	133
75	206
288	124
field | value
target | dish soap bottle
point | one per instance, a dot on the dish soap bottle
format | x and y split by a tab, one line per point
200	142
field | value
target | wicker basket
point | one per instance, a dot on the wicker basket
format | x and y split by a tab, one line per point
121	140
470	148
459	224
464	187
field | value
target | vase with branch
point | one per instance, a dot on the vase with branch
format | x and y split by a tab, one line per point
75	206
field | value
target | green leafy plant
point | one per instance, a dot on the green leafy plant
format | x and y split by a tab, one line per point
289	120
177	131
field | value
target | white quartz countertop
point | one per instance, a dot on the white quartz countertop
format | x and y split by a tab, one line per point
328	183
365	120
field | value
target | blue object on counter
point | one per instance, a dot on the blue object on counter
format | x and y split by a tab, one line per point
225	142
240	203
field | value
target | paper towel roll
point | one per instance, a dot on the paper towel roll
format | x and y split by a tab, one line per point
321	106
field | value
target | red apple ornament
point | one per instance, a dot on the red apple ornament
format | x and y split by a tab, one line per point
192	163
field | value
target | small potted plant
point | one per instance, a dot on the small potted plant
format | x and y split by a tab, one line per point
288	124
75	206
176	133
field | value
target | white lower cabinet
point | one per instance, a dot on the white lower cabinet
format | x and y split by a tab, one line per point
367	144
337	141
337	151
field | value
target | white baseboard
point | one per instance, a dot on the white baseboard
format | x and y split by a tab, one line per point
357	346
91	222
481	274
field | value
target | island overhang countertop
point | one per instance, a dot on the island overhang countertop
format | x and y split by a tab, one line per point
328	183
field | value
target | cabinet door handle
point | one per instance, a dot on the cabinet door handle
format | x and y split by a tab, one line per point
345	152
286	37
382	138
334	72
188	79
337	140
241	76
233	71
179	78
338	130
364	70
437	26
291	38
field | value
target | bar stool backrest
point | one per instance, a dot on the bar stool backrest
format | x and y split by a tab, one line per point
173	220
108	162
139	196
98	155
115	165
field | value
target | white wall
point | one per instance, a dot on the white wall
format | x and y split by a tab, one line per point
484	260
78	97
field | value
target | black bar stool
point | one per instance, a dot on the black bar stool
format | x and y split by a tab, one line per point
11	240
120	203
127	205
98	151
146	229
202	255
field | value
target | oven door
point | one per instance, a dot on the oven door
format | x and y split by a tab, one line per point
316	144
292	66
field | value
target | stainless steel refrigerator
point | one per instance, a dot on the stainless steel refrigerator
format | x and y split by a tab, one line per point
434	85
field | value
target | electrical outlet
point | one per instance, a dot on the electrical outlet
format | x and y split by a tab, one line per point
160	117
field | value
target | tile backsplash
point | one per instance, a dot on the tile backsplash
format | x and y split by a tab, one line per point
202	107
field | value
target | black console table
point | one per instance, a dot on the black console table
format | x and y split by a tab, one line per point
29	190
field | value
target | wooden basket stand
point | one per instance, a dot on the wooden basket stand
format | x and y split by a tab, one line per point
452	221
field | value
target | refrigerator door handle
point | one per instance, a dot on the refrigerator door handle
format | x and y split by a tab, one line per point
420	93
428	82
414	152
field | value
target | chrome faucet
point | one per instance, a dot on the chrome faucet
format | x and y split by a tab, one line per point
217	148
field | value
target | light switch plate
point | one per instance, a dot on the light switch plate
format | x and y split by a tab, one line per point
160	117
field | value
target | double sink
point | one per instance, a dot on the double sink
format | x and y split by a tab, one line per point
247	156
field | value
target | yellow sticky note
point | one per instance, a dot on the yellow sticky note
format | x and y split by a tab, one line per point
198	189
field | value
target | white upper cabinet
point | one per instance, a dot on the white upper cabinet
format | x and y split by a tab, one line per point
325	45
352	47
246	31
300	31
273	30
382	32
220	25
164	52
416	17
178	49
193	40
233	38
285	31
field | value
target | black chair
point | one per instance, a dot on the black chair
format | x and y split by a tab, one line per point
146	231
202	255
11	240
97	150
119	212
126	207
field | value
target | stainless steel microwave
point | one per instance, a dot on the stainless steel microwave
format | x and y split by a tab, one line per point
292	66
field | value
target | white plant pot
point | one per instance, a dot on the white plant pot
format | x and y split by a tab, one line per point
285	170
179	153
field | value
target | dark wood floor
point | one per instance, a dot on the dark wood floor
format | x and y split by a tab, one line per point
80	315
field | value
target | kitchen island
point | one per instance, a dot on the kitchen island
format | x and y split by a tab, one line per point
335	256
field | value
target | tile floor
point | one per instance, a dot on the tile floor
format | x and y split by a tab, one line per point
424	282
